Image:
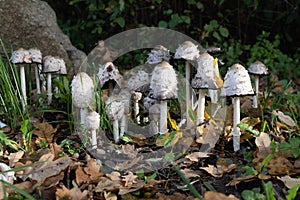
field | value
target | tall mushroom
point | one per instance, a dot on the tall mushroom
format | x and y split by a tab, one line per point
36	57
257	69
82	94
109	76
163	86
237	83
52	65
188	51
92	123
207	77
21	57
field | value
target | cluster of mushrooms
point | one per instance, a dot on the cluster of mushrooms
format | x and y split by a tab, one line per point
43	65
157	83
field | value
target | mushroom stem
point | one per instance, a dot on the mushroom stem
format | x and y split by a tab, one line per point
94	139
123	127
187	90
110	87
201	106
83	114
49	88
255	98
163	117
116	130
37	79
154	118
23	87
136	111
236	121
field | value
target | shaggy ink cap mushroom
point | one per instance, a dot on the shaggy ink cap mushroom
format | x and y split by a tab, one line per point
21	56
187	50
109	73
207	76
54	65
258	68
158	54
237	82
36	55
140	82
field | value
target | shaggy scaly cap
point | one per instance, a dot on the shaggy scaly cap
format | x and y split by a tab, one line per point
82	90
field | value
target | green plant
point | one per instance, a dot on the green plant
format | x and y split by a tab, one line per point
71	146
5	141
292	193
253	194
26	129
293	145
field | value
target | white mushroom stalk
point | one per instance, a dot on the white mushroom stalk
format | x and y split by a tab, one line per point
158	54
52	65
188	51
154	113
163	86
257	69
21	57
136	96
109	75
207	77
236	83
82	94
92	123
36	57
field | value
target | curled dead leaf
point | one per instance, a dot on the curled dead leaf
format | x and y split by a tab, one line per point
284	118
288	181
211	195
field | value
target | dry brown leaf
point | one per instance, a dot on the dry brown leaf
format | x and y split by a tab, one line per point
45	131
219	170
52	181
93	170
14	157
81	176
279	166
26	186
129	179
195	156
51	169
211	195
73	194
189	173
244	179
288	181
106	184
114	176
284	118
110	196
263	142
127	164
175	196
132	188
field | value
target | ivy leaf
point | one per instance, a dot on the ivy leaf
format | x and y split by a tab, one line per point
216	35
214	23
120	21
163	24
223	31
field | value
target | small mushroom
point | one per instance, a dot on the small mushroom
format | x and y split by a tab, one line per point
82	94
21	57
257	69
92	123
109	76
188	51
158	54
136	96
52	65
207	77
237	83
139	82
36	57
163	86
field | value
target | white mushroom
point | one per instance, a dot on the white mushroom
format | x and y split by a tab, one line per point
236	83
92	123
154	113
207	77
108	76
163	85
82	94
136	96
188	51
158	54
139	82
52	65
257	69
21	57
36	57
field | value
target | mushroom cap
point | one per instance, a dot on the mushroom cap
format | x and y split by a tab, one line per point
140	82
163	82
20	56
92	120
187	51
258	68
158	54
108	72
148	102
54	65
137	96
207	75
36	55
114	108
237	82
82	90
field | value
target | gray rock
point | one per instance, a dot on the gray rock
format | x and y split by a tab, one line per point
32	23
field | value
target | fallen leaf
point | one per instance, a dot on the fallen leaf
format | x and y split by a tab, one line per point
219	170
114	176
211	195
110	196
52	180
238	180
129	179
93	170
105	184
14	157
195	156
175	196
263	142
288	181
44	131
189	173
81	176
284	118
279	166
73	194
